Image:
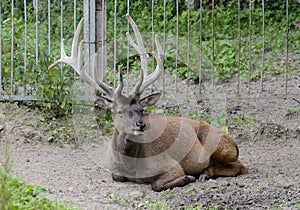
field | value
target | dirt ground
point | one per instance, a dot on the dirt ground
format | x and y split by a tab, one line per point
266	129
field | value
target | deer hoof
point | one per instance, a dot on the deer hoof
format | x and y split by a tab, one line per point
118	178
204	176
189	179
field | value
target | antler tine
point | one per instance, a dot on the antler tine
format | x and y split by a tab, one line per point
70	60
75	61
145	80
159	68
103	87
138	85
118	91
139	47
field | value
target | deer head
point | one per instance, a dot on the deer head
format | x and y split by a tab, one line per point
127	109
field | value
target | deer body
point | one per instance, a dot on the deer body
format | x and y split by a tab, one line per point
180	149
162	150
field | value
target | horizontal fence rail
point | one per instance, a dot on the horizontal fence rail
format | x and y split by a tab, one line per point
201	46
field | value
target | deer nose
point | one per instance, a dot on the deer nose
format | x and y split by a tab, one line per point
141	124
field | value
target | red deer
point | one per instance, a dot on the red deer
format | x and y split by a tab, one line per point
165	151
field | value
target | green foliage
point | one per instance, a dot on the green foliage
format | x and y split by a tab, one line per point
55	87
30	67
226	36
17	195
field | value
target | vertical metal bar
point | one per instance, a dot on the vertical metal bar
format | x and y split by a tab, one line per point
92	39
128	50
25	45
239	47
74	26
12	47
0	48
36	40
115	42
188	48
49	29
164	46
61	29
287	47
103	40
200	38
263	46
92	27
152	26
250	45
86	29
75	15
177	45
213	44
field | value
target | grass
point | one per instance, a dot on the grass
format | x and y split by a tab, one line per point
16	194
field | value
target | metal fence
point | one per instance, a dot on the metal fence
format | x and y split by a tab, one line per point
30	33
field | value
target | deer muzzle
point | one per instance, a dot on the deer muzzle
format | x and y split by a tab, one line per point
141	125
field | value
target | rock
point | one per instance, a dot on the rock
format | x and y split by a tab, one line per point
135	195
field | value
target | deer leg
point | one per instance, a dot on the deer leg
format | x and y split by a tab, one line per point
172	178
118	178
229	169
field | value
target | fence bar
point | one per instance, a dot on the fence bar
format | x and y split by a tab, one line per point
239	47
36	40
86	29
61	30
25	46
200	53
152	28
188	48
92	38
213	44
287	47
164	45
12	48
250	46
74	17
177	46
103	40
263	47
1	49
74	27
115	42
128	50
49	29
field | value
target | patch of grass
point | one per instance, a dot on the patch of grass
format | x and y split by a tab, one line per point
114	198
293	111
257	189
16	194
223	121
167	193
152	204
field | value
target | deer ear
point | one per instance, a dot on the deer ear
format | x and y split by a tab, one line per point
150	100
103	102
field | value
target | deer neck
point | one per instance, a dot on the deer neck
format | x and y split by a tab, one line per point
127	144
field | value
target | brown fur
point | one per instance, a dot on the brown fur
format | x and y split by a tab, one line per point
203	149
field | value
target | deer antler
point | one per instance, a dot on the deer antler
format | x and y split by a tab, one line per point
75	62
145	80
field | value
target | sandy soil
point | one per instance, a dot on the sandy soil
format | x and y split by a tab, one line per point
267	131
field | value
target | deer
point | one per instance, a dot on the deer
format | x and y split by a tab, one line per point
163	151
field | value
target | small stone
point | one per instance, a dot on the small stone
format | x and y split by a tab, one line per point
136	195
